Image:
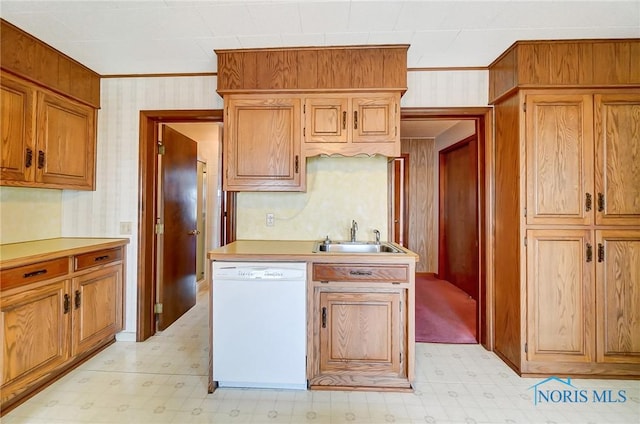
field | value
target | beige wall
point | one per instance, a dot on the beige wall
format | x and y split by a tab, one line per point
339	190
29	214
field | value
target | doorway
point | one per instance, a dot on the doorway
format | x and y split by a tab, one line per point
423	203
148	210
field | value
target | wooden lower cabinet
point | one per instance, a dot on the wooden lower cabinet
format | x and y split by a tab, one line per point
35	335
97	307
50	322
360	330
583	302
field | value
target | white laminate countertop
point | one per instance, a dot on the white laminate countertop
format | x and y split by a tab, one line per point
298	250
16	254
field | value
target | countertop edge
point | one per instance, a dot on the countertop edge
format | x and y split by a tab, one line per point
64	248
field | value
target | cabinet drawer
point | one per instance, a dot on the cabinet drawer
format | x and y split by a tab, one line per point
96	258
33	273
347	272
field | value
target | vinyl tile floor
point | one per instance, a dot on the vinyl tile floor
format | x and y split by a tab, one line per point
164	380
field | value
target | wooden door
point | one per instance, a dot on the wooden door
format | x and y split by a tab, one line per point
559	150
375	119
262	144
458	223
66	143
399	199
35	334
560	296
97	307
617	127
361	334
326	119
17	106
618	296
177	244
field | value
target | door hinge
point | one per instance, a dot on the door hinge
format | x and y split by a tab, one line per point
525	212
159	228
525	242
526	348
304	131
524	107
157	308
600	252
161	149
400	357
304	108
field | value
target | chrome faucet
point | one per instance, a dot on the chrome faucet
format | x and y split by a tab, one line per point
377	234
354	229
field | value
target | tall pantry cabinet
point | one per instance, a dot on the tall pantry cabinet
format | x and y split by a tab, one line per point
567	215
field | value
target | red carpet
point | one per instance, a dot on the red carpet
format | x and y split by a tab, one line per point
444	313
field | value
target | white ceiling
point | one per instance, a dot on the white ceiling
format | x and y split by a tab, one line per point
172	36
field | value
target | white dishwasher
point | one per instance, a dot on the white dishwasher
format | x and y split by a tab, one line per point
259	324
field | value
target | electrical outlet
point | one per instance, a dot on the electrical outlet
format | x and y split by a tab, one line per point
125	228
270	220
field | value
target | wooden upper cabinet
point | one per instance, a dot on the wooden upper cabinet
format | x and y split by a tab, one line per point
358	123
559	150
66	143
17	137
618	279
48	140
617	151
262	143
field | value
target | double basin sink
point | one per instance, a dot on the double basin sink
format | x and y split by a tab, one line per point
355	247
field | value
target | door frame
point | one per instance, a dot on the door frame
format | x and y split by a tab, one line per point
147	206
483	118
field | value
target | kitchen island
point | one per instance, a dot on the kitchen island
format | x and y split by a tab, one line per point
360	312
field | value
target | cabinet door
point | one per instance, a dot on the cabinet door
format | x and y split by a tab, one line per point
66	143
35	335
17	109
617	135
618	296
361	335
97	307
560	296
375	119
326	119
263	144
559	150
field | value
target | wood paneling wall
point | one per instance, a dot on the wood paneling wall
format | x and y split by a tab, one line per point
313	68
568	63
30	58
422	201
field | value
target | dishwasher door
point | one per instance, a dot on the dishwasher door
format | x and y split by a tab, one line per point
259	324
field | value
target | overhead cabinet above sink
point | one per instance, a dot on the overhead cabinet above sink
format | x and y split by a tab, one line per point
284	105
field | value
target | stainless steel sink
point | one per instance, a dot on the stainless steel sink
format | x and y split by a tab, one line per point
355	247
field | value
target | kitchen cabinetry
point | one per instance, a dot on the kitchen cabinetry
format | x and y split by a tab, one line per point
567	209
360	328
55	313
352	124
262	143
48	140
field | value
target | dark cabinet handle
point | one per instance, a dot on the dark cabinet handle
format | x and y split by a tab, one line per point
600	252
600	202
34	273
344	120
77	299
28	158
589	252
101	258
324	317
66	303
360	273
587	202
41	159
355	120
297	164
